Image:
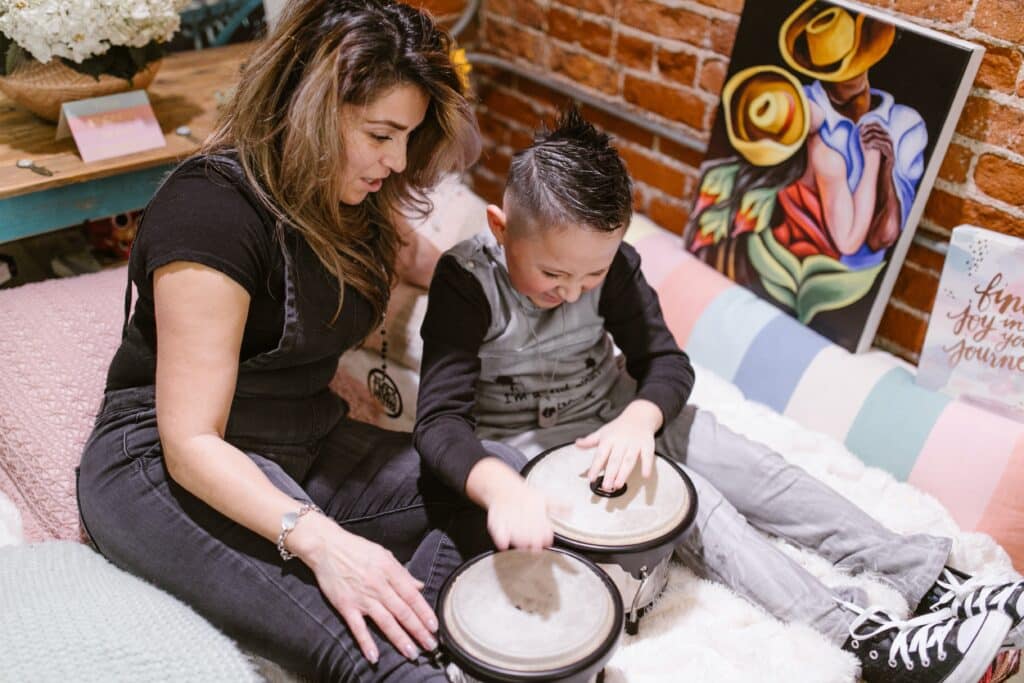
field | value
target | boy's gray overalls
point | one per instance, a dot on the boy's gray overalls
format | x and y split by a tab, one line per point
550	376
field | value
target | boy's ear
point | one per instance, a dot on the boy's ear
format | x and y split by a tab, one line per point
497	223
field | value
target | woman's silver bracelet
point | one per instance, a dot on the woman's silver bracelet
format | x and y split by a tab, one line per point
288	522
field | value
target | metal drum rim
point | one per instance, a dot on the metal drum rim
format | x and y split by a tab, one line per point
480	669
599	549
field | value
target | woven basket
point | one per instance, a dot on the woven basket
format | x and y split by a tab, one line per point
43	88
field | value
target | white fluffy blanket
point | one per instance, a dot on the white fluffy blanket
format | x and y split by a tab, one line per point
699	631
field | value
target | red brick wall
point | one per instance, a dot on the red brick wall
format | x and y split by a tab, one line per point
444	10
667	58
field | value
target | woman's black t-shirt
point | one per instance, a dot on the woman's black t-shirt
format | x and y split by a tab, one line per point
203	215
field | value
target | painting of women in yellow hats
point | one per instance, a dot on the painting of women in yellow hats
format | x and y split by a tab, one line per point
832	122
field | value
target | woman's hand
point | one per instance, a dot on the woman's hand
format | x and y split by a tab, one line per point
362	579
622	442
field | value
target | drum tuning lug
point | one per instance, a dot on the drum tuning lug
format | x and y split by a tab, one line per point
633	619
436	657
455	675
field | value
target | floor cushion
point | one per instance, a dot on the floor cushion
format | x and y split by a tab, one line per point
58	339
66	614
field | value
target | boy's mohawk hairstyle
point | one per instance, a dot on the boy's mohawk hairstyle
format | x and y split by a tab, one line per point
571	126
571	174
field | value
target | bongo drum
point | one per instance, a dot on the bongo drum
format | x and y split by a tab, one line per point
630	533
522	616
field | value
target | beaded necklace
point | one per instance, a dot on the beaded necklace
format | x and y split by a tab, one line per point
380	384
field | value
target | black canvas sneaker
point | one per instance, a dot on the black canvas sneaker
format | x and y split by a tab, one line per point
966	596
934	648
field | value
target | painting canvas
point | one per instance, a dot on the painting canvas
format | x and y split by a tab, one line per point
974	347
833	121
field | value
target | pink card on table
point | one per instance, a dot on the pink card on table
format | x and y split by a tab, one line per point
111	126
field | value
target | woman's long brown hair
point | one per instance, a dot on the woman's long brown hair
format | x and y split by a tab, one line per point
284	123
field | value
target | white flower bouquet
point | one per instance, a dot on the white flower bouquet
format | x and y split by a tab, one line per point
116	37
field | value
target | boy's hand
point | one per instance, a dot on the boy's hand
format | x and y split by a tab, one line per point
623	441
518	518
517	513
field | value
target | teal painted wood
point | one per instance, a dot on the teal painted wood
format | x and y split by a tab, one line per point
38	212
235	23
214	24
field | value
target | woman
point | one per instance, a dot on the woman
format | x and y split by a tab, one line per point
257	264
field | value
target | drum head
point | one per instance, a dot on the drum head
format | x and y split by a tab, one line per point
523	612
648	511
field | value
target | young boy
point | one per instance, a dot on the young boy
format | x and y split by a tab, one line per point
518	348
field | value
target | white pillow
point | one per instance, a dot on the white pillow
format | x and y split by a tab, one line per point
458	214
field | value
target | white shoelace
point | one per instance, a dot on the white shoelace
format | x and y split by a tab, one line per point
974	594
919	635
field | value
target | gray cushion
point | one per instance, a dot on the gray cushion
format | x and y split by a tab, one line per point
67	614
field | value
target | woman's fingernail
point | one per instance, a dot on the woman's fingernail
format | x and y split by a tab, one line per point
411	652
431	643
372	656
432	624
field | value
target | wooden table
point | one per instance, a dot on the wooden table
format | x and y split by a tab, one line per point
185	93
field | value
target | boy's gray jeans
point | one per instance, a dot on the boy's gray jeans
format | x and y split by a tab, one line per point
744	487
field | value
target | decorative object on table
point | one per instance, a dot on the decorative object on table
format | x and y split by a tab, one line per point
831	129
186	132
974	347
53	51
111	126
30	165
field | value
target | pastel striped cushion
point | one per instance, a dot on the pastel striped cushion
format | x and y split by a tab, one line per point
968	458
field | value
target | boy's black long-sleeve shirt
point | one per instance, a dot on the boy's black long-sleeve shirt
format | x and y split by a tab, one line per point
454	329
